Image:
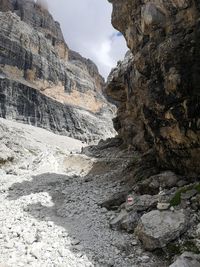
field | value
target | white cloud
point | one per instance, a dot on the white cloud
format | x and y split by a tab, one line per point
86	25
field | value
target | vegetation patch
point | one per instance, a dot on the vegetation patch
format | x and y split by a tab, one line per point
173	249
176	200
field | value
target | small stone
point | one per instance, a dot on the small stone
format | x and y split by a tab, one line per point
104	210
163	206
130	221
115	223
50	224
145	258
134	242
75	242
36	250
63	252
1	236
172	208
189	194
9	245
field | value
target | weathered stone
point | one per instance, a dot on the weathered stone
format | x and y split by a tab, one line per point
165	179
142	203
189	194
157	228
115	223
158	91
125	220
115	201
187	259
130	222
163	206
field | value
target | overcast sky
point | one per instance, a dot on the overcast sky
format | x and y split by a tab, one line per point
86	25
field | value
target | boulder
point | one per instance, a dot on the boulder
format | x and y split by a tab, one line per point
125	220
187	259
156	229
142	203
115	223
130	222
166	179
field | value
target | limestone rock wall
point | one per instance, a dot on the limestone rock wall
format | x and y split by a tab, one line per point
33	53
158	92
25	104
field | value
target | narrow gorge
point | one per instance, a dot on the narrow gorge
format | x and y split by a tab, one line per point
100	173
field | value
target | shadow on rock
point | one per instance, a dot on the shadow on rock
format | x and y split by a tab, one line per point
76	207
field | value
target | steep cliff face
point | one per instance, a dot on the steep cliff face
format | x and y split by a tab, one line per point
158	91
26	104
34	54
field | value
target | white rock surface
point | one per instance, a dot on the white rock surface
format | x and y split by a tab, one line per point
49	212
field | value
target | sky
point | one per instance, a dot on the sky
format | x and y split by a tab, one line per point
86	25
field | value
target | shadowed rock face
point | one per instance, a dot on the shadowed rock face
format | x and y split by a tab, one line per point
158	91
34	54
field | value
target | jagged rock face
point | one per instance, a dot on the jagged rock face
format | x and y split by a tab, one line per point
34	14
34	54
129	122
158	92
26	104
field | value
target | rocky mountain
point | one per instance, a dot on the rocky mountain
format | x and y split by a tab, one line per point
132	200
42	81
157	87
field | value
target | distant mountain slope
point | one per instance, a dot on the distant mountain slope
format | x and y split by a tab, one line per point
33	53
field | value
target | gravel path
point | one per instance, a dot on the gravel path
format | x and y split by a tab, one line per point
49	207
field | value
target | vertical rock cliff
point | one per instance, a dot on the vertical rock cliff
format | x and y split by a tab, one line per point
42	81
157	88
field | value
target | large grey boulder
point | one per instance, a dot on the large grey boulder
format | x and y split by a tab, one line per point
187	259
156	229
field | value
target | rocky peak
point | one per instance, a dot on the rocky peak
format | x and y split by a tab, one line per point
77	59
38	17
158	93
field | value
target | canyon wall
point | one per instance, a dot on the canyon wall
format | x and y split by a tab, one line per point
157	87
33	54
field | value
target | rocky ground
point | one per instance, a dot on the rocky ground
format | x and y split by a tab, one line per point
50	212
65	204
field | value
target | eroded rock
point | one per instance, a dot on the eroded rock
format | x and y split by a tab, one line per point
158	91
187	259
151	185
157	228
